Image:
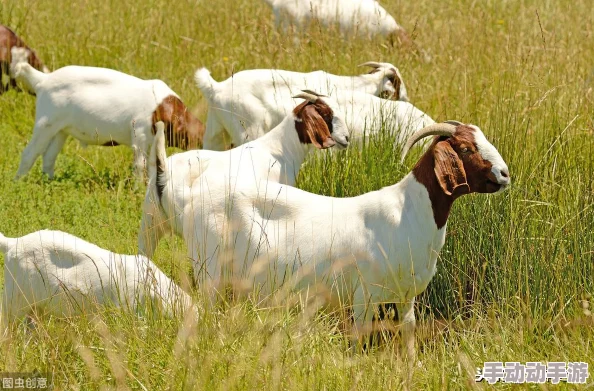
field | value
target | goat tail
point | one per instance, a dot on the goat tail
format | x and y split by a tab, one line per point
21	70
5	243
205	82
158	172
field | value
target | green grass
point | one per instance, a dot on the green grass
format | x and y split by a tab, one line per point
510	278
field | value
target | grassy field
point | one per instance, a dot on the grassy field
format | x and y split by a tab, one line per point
511	277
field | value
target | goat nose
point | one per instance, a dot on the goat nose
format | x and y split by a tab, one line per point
347	138
505	173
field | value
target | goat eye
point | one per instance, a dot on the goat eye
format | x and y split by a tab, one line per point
464	150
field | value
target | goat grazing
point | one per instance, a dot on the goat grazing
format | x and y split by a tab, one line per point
63	275
251	102
359	17
275	157
101	106
9	40
380	247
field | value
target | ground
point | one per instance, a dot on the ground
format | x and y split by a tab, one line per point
515	270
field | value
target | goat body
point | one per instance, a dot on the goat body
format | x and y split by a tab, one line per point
275	157
380	247
101	106
65	275
362	17
251	102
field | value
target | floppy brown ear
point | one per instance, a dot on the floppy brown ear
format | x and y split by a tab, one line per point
311	127
449	170
396	82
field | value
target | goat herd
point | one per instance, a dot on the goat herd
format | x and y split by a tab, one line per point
236	209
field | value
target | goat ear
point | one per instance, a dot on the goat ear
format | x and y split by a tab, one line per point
396	82
328	143
449	170
312	129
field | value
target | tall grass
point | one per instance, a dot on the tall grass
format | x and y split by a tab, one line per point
510	278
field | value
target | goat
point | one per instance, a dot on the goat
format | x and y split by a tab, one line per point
8	40
275	157
100	106
379	247
251	102
64	275
353	17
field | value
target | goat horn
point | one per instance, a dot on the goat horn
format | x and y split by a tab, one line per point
392	71
452	122
313	93
308	95
372	64
442	129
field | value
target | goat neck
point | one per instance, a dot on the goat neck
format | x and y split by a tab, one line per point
283	143
441	203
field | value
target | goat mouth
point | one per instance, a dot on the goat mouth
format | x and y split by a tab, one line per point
341	145
493	186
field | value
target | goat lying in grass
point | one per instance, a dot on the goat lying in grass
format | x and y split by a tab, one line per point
275	157
251	102
101	106
380	247
64	275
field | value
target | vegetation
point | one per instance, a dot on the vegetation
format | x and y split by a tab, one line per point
511	278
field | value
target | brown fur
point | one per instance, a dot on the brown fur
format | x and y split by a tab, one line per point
396	82
8	40
447	172
313	122
182	129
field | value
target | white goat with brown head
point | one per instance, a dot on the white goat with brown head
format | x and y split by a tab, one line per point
277	156
9	40
380	247
100	106
251	102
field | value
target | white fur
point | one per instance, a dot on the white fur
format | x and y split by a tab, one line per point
380	247
362	17
94	105
65	275
250	103
274	157
367	114
488	152
20	54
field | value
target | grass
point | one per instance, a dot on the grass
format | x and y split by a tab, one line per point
510	278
